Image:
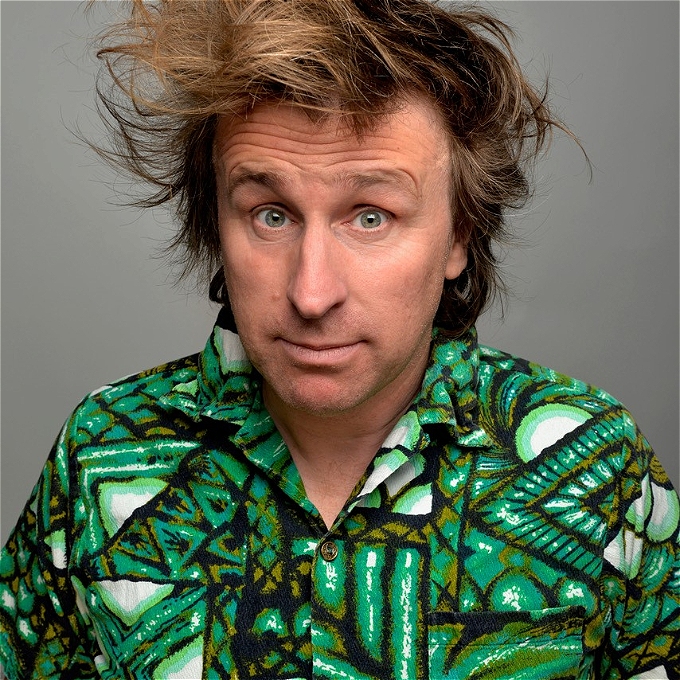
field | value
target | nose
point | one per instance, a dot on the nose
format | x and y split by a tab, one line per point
317	282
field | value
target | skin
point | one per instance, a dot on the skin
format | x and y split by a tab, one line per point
335	252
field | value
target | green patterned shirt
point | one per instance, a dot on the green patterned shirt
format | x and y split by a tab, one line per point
514	525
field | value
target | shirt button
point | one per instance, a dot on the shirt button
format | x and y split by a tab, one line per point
329	551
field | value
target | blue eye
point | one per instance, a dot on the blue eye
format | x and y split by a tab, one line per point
371	219
272	218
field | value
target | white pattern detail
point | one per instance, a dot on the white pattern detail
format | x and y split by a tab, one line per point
379	475
192	670
57	542
371	559
8	601
130	596
421	507
59	557
400	478
122	505
625	553
331	576
511	597
613	553
665	514
551	431
396	438
232	349
407	626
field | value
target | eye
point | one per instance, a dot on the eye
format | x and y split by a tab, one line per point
370	219
272	218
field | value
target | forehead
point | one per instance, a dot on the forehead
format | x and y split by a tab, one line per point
411	140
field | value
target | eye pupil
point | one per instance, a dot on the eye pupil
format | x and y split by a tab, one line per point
371	220
274	218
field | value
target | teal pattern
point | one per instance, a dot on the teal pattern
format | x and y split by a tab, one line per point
514	525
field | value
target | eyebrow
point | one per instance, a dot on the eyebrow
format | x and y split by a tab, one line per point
355	180
243	176
397	178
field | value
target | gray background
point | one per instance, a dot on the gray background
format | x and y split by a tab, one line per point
596	286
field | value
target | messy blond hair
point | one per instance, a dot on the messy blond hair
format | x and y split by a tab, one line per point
176	66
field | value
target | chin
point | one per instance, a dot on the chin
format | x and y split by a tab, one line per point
319	400
322	405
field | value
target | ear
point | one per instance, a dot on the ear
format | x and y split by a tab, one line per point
457	260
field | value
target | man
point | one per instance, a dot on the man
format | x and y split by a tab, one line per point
343	484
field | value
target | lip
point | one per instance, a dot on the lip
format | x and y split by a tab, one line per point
319	354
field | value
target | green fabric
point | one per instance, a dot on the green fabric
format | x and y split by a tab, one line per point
515	524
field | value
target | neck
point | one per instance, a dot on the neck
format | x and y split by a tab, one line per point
333	451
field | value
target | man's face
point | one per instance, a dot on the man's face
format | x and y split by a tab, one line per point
335	252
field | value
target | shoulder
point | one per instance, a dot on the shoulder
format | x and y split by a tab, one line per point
141	400
152	383
513	378
533	408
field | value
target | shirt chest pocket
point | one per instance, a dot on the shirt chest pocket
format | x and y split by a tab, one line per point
544	644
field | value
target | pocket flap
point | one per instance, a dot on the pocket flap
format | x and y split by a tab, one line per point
542	644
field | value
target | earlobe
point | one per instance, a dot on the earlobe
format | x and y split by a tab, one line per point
456	261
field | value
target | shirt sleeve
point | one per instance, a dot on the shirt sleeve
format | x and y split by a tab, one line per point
642	570
42	634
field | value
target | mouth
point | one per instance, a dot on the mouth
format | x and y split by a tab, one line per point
318	353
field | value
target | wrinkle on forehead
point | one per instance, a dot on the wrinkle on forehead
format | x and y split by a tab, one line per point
270	120
413	136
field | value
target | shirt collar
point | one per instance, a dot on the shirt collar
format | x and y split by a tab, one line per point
227	387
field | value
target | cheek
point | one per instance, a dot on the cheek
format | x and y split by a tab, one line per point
417	273
407	296
254	281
